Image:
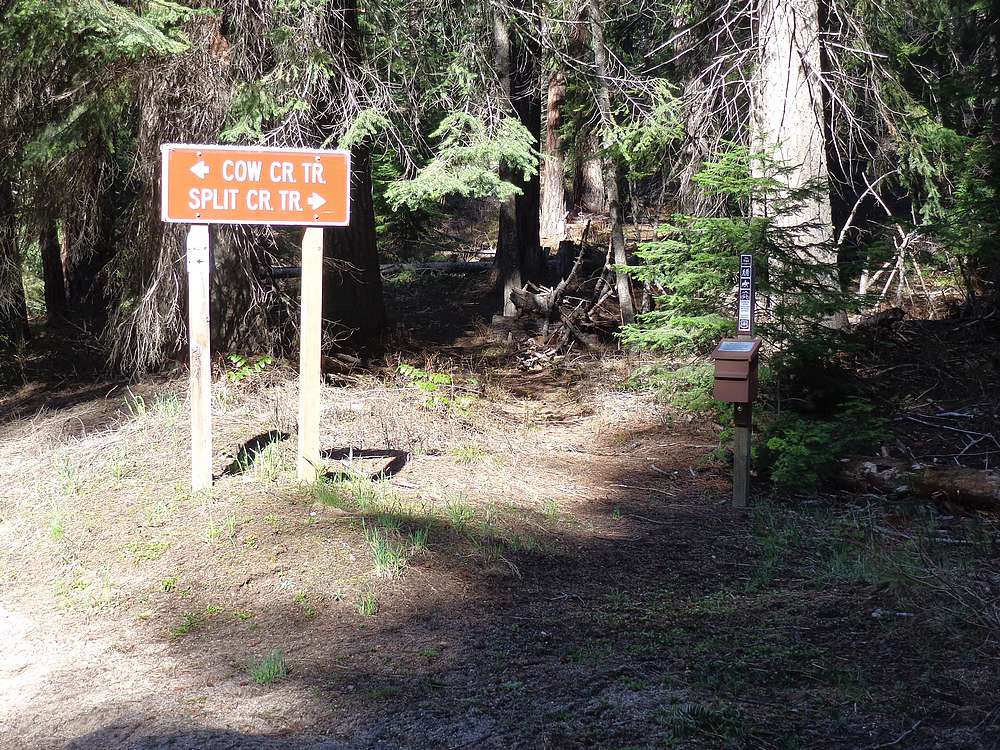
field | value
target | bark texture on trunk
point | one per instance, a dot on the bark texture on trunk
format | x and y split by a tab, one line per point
589	195
696	148
90	244
52	272
610	165
789	114
13	308
553	215
519	256
352	282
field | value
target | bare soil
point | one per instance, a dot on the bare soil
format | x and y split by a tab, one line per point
583	582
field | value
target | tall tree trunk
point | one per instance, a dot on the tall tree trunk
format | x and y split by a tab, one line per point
519	255
352	281
553	215
789	115
52	271
610	164
91	248
589	195
691	197
13	308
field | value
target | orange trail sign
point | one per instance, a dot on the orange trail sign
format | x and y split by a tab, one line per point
249	185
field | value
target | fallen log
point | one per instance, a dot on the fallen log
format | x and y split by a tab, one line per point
971	488
441	266
341	362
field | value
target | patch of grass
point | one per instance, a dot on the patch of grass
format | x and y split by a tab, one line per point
354	493
147	551
270	669
242	615
225	530
489	548
135	405
872	563
190	622
366	604
460	514
429	653
119	466
550	509
698	719
387	554
57	527
302	599
168	585
522	543
468	454
67	475
167	406
389	523
155	514
269	463
775	533
418	539
714	604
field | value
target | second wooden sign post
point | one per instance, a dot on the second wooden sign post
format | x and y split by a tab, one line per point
202	185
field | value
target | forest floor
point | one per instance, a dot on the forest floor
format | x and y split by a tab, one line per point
508	560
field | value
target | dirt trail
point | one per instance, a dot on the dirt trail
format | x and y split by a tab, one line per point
580	583
94	677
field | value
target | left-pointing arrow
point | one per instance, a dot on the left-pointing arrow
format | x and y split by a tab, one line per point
200	169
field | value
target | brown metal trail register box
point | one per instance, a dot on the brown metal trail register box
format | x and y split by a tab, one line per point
736	370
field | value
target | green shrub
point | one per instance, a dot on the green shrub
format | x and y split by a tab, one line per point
799	453
687	388
693	263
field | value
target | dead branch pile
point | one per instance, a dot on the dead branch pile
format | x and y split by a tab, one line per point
579	312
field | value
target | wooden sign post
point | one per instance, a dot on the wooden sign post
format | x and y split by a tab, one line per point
743	412
203	185
200	353
310	345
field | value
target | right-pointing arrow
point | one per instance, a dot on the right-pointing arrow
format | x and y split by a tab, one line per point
315	201
200	169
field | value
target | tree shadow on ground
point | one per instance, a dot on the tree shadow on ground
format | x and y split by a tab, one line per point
347	457
640	623
251	450
199	739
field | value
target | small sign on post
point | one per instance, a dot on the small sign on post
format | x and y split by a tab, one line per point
203	185
744	326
